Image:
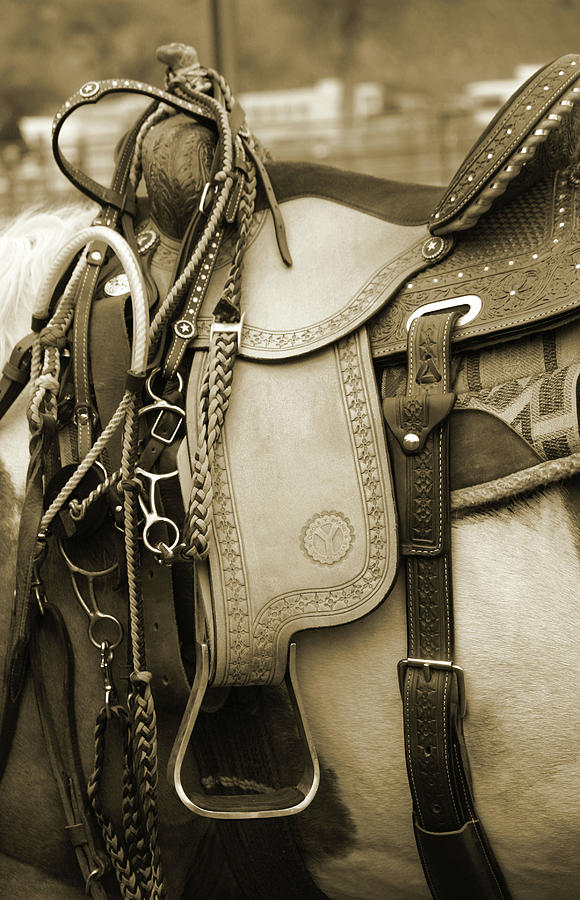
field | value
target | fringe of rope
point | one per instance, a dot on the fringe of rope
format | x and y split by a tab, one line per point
509	486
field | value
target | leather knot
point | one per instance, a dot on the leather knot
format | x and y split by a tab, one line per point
50	337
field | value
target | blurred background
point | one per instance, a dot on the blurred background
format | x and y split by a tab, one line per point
395	88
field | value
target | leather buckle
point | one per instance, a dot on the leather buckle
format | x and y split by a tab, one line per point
426	665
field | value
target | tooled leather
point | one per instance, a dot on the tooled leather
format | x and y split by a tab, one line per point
520	260
506	135
435	752
94	91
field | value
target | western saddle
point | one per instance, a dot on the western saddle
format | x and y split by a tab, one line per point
254	444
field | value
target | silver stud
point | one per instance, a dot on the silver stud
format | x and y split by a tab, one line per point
546	87
555	241
509	131
528	107
486	268
490	155
89	89
534	255
460	274
561	224
470	177
512	293
511	262
410	284
411	441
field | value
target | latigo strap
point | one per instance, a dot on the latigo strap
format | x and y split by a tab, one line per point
454	851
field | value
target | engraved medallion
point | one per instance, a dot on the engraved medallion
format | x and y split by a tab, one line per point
436	247
327	537
117	285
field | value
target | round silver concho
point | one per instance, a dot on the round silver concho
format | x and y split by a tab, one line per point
436	247
89	89
327	537
117	285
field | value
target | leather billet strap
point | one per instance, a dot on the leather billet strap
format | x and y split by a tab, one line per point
63	750
16	373
454	851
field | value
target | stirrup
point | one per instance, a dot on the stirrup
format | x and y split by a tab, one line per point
285	801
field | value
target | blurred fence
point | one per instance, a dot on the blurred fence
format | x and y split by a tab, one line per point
422	146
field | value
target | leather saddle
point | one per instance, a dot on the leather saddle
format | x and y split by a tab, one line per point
304	527
302	518
303	484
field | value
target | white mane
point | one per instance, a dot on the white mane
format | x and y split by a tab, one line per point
27	246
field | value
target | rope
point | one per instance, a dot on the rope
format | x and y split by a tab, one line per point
509	486
214	401
87	462
162	112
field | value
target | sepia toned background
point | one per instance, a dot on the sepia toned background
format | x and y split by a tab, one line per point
397	89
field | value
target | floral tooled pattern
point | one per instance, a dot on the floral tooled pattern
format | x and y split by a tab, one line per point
376	291
238	651
251	657
428	613
423	495
534	283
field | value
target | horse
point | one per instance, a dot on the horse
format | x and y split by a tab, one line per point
516	564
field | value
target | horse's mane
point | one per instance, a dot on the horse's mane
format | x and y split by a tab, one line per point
27	246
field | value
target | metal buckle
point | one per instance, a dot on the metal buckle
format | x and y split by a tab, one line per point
472	300
165	408
205	192
228	328
426	665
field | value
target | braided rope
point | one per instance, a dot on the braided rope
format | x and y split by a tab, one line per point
78	508
509	486
130	487
162	112
214	400
215	391
169	305
144	755
116	851
84	466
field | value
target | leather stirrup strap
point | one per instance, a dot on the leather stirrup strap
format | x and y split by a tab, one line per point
63	752
452	844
